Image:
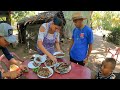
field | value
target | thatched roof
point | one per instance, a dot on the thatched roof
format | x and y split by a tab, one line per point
40	16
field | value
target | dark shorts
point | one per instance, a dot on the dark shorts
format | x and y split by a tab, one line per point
79	62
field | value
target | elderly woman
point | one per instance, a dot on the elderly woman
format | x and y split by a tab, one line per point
48	37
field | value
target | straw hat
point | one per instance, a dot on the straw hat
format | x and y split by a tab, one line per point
78	15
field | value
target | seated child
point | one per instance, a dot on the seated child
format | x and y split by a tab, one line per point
106	70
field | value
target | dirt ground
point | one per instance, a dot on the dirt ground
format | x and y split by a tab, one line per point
98	53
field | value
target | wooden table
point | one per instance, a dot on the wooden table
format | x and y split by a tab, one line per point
77	72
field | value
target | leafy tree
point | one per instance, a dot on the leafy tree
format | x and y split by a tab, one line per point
106	19
18	15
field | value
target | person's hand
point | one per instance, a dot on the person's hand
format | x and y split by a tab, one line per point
53	58
14	74
60	51
24	68
1	69
86	60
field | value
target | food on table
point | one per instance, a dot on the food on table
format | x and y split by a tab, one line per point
22	77
36	70
35	64
38	59
26	70
61	54
45	72
63	67
49	62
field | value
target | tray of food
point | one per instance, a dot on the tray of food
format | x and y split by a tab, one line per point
45	72
59	54
62	68
49	63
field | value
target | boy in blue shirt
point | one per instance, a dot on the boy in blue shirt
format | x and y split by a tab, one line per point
82	40
6	37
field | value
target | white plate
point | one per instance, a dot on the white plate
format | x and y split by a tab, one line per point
30	65
59	53
50	69
42	58
64	72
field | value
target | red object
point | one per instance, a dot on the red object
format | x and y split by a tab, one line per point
77	72
114	52
82	35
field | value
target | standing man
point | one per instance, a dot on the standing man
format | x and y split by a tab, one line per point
82	40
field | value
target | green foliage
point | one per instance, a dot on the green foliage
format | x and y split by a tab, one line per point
18	15
106	19
109	20
2	18
114	36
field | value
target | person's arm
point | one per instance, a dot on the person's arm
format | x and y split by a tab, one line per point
72	40
90	42
6	53
13	61
42	48
11	58
71	44
40	44
57	44
12	74
89	50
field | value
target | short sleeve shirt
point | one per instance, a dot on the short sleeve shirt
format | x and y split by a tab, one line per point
82	38
41	35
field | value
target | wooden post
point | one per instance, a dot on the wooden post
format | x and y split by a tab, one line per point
8	17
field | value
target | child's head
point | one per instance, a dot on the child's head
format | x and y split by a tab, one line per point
108	65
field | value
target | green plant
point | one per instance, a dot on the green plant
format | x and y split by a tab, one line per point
106	19
114	36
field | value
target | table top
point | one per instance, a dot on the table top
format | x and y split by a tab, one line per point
77	72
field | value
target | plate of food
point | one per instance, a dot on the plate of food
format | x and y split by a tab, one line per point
45	72
39	58
49	63
33	64
59	54
62	68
